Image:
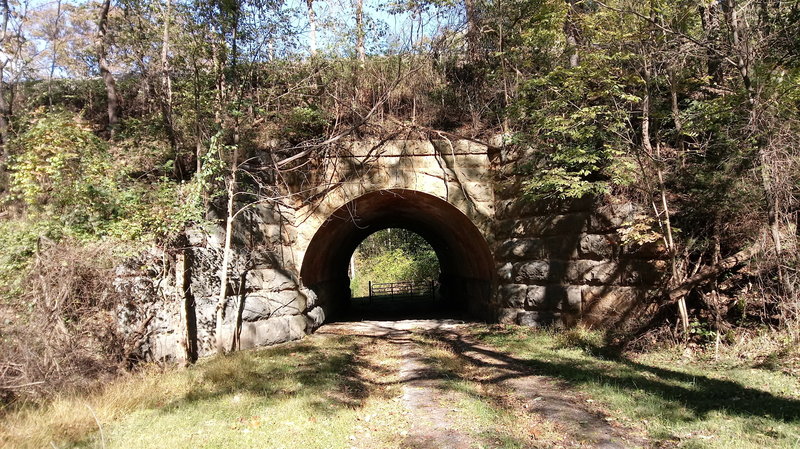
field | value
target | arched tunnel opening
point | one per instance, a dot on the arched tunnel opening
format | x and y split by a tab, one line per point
394	273
466	265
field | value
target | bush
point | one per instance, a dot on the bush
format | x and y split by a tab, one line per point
61	332
63	171
304	123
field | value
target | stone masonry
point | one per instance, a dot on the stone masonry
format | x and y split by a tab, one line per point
536	264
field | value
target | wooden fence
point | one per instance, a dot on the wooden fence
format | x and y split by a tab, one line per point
397	289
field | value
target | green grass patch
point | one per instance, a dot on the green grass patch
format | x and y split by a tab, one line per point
693	401
332	391
311	394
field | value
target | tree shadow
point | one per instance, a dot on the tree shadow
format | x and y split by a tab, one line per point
701	395
329	376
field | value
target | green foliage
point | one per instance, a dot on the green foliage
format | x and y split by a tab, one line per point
303	123
393	255
641	230
19	240
67	177
63	170
578	117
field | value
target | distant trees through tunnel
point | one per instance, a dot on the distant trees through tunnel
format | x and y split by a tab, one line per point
394	273
392	256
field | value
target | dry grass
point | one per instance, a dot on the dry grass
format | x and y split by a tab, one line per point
329	388
61	333
72	417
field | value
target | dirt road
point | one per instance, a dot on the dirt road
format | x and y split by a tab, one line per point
461	394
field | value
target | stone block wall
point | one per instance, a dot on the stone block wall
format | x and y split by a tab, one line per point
556	262
563	262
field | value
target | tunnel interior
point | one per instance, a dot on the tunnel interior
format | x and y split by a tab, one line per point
466	263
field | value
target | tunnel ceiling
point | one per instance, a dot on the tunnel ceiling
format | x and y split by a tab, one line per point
462	250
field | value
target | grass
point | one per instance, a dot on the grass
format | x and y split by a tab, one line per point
487	410
312	394
335	391
735	401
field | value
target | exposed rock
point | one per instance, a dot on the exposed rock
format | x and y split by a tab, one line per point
270	279
599	246
505	272
266	332
608	217
539	271
594	272
513	295
315	317
507	315
540	319
553	297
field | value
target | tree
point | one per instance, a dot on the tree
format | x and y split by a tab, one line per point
102	43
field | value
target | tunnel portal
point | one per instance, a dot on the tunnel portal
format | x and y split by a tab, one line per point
465	260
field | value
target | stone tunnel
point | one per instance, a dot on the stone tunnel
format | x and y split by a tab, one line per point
503	258
467	266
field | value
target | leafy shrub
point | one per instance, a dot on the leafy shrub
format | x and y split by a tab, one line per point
67	176
63	170
580	115
304	123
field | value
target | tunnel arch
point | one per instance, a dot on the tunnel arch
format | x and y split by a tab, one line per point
466	262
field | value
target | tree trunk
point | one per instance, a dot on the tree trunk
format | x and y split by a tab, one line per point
102	60
709	17
683	312
4	106
166	80
360	51
54	40
186	299
236	338
572	32
222	300
312	33
473	30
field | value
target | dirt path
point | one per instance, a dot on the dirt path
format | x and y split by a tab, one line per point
441	367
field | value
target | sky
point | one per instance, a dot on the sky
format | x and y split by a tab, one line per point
387	30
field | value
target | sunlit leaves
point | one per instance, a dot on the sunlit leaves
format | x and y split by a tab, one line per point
579	117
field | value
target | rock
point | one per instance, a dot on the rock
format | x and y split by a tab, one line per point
539	271
311	297
513	295
507	315
598	246
297	327
609	217
539	319
315	317
562	248
553	298
504	272
549	225
593	272
262	305
269	279
265	332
